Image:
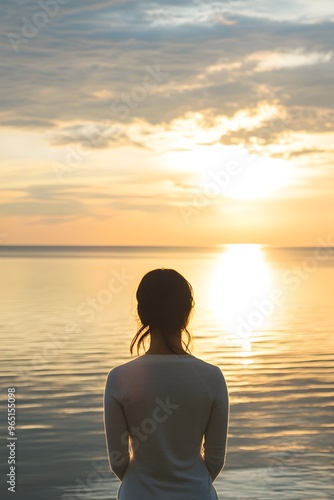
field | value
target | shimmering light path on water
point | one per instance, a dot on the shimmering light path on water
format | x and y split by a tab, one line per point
265	316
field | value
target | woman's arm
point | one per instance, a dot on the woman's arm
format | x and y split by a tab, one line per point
115	428
215	437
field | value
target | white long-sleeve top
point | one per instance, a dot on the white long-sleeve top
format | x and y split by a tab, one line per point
166	420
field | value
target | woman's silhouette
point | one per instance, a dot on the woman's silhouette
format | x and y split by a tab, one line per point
165	412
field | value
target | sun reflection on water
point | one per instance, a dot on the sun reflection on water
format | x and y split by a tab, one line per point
240	283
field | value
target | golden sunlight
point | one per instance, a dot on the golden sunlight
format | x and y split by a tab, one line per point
198	160
259	178
231	170
241	284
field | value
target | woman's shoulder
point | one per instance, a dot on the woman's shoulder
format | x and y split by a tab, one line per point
159	361
123	366
210	370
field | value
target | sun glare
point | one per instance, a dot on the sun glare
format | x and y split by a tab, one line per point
240	282
259	179
231	171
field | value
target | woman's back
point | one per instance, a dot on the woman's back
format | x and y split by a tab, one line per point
166	404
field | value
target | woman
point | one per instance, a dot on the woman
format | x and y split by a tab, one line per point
165	412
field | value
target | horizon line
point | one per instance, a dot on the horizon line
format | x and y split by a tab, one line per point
214	246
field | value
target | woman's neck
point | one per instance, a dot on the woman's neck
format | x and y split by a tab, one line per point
158	345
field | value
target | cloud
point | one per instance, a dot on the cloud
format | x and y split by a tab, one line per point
93	136
266	129
29	209
87	58
54	203
268	61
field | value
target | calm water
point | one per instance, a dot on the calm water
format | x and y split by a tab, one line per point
265	316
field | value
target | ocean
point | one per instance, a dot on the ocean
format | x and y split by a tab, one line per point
264	315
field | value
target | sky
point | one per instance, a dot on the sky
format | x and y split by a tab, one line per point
166	123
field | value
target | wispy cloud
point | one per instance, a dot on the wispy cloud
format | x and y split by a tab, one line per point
268	61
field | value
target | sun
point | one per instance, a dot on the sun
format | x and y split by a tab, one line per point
245	176
259	178
231	171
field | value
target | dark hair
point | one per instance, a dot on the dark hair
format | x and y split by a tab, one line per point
165	300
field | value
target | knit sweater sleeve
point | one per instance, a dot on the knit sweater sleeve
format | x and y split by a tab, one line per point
115	427
215	437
